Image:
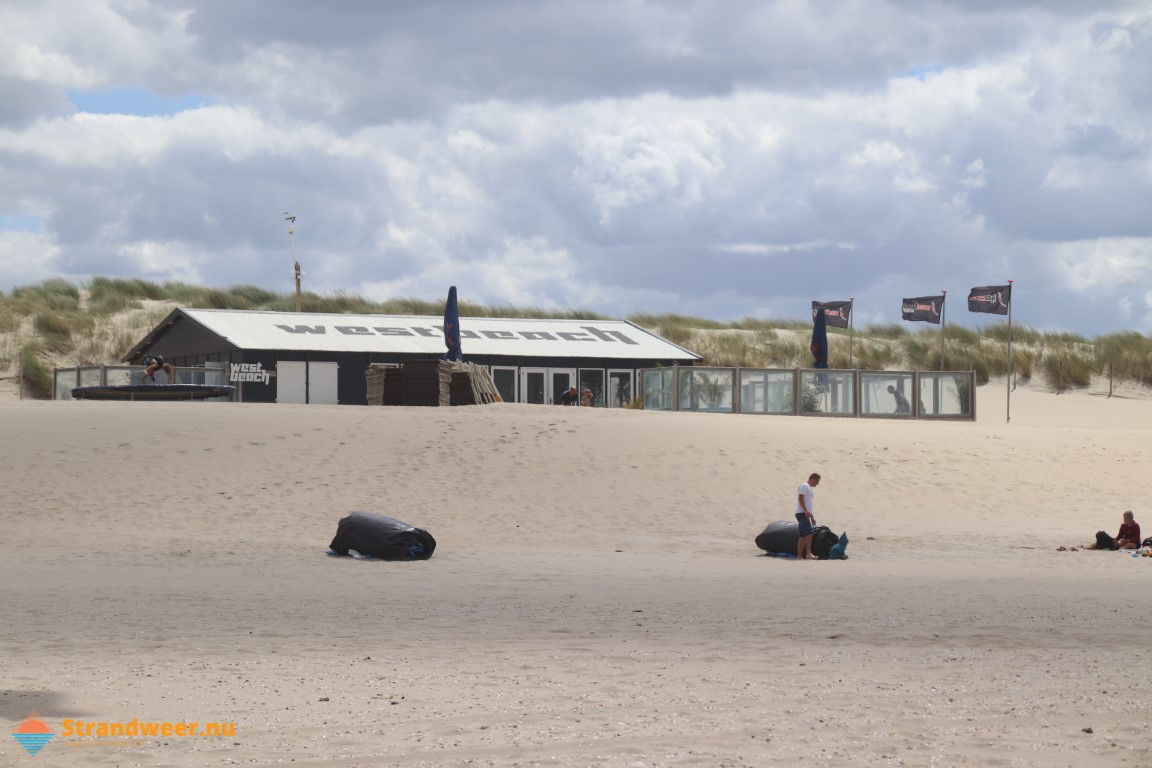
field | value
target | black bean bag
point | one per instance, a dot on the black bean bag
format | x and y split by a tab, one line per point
381	537
781	536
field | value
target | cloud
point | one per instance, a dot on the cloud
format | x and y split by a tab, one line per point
658	156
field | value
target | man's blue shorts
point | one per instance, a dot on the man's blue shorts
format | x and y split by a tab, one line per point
805	524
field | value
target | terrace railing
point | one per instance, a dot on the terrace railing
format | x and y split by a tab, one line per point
906	395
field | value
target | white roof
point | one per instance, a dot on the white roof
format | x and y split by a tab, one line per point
414	334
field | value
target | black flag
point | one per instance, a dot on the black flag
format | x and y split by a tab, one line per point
836	313
990	298
926	308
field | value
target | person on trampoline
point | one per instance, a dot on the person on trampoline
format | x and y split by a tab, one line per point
153	363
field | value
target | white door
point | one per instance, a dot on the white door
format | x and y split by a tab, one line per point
322	380
534	385
291	381
300	382
560	380
619	388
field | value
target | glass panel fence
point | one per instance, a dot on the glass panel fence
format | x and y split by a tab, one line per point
947	394
767	391
886	393
827	392
658	385
706	389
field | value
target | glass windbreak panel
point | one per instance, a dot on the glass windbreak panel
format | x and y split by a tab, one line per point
706	389
208	376
946	394
827	392
619	388
592	387
658	389
886	393
767	391
65	382
127	375
505	381
90	377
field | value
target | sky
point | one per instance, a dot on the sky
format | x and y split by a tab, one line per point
718	159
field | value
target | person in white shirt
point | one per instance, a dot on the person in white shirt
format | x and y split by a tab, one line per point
805	505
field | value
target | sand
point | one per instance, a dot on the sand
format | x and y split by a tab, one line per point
596	598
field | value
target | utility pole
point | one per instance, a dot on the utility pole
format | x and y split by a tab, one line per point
295	264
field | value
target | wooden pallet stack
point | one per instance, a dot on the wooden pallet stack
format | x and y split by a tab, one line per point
374	382
427	382
393	386
383	383
461	389
430	382
483	388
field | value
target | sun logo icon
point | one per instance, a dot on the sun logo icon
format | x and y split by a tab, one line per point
33	734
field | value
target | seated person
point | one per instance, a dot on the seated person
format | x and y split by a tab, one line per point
1129	536
586	400
153	363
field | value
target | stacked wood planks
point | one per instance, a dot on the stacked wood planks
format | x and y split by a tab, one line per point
383	384
427	382
430	382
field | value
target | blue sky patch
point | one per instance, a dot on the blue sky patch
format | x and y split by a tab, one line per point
922	72
142	102
21	223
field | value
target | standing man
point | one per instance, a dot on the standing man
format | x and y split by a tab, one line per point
805	504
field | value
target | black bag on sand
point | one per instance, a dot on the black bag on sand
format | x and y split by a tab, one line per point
1104	541
382	537
781	537
822	541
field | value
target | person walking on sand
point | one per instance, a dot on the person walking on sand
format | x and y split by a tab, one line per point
805	504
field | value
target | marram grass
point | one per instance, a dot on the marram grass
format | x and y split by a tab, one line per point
57	323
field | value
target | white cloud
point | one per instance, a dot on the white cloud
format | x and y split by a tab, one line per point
25	256
1106	263
647	156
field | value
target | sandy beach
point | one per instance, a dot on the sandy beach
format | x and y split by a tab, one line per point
595	599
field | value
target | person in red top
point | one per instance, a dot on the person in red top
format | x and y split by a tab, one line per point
1129	536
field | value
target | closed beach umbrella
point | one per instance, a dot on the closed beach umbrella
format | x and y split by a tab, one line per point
452	328
819	344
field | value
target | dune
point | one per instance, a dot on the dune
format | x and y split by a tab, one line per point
595	597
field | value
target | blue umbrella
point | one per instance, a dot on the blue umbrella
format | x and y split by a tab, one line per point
819	344
452	328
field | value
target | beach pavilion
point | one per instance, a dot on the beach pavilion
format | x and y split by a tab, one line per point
301	357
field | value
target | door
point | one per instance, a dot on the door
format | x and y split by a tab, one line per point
322	383
561	380
301	382
619	388
592	380
533	385
291	381
504	377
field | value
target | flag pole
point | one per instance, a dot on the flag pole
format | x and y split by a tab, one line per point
851	321
943	306
1008	406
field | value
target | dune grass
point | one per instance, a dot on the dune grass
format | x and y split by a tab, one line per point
58	323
